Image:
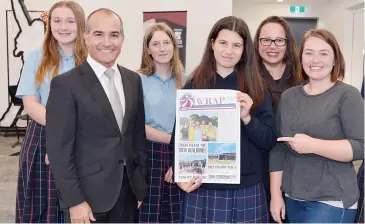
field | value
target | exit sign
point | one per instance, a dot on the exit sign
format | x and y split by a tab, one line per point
297	9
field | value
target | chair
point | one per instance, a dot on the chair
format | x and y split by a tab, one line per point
13	126
21	117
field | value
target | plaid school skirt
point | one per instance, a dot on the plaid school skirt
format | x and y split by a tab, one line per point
226	206
360	206
36	198
164	199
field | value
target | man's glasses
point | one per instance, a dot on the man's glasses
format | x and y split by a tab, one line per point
278	42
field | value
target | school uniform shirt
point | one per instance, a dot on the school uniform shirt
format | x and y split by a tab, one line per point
27	84
159	101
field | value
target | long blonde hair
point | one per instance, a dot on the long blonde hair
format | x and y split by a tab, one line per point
51	56
148	66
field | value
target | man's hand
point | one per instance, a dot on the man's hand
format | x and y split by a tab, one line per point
139	204
81	213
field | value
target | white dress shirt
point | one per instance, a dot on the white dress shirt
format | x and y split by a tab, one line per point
99	70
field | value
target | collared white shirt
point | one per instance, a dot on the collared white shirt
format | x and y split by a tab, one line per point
99	70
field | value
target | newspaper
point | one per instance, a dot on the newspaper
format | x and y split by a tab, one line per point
207	136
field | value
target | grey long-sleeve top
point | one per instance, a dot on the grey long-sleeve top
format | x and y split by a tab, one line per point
335	114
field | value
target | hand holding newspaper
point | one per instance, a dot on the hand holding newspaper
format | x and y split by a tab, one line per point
207	136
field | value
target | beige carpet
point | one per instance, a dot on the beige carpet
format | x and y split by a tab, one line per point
8	178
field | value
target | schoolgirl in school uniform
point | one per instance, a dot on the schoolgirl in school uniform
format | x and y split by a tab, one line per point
229	62
162	74
63	48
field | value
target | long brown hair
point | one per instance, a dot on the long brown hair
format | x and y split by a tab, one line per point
51	57
338	71
148	66
291	58
249	79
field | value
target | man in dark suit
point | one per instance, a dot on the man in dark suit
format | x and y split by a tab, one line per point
96	130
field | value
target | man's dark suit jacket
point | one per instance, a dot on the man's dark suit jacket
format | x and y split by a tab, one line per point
85	147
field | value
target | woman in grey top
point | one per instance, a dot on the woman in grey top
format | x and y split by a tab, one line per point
321	131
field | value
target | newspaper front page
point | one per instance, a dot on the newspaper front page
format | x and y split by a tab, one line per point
207	136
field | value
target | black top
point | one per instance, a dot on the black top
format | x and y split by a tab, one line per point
258	135
277	87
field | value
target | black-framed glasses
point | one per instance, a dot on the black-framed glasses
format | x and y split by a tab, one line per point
278	41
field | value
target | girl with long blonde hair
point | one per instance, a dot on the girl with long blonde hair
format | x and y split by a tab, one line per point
63	49
162	73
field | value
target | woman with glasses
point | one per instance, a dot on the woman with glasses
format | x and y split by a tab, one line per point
277	56
279	66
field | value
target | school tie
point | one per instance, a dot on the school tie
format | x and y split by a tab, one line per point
114	98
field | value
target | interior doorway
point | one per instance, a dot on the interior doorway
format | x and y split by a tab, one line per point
300	25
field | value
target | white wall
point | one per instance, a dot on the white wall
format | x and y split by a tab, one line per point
340	21
254	12
198	27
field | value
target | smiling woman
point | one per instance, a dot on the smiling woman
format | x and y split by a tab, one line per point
63	48
312	163
276	54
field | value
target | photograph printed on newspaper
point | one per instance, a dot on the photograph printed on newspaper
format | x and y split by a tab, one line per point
207	136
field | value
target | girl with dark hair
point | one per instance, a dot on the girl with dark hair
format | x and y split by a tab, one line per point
229	62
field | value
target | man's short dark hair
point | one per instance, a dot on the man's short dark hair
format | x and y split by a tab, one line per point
108	12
